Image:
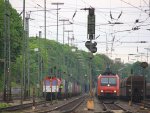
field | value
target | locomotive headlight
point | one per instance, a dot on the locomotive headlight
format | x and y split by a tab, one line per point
141	90
129	90
102	91
115	91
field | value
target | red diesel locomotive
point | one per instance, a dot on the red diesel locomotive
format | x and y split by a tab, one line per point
108	85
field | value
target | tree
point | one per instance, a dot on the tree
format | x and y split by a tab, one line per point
16	31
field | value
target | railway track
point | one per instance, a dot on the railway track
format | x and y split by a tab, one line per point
145	104
65	108
20	107
69	106
112	106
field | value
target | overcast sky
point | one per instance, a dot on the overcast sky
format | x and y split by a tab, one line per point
119	37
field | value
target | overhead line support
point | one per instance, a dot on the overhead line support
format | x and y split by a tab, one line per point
57	15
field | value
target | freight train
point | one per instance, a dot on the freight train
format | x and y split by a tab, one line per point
148	90
132	88
57	88
108	85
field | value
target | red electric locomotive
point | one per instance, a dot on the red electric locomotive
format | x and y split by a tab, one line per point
108	85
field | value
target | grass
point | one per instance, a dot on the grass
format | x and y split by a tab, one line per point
4	105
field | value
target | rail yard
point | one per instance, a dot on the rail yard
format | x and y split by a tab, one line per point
74	56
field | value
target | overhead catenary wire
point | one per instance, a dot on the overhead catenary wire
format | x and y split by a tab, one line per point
146	3
101	12
134	6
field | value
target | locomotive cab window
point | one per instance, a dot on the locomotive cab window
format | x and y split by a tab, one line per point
47	82
104	81
110	81
54	82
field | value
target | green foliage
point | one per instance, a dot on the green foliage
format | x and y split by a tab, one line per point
136	69
4	105
125	70
1	26
16	31
59	58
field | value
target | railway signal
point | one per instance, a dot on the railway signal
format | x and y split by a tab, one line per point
91	46
91	24
144	65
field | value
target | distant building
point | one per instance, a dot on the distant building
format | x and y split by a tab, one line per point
117	60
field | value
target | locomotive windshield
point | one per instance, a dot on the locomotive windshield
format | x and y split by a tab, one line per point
104	81
47	82
54	83
110	81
